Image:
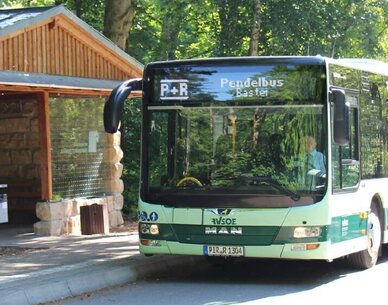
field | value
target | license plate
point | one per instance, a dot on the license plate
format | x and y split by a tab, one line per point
223	250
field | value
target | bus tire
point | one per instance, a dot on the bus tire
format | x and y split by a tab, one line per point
368	258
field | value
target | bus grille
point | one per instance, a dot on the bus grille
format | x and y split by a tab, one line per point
219	235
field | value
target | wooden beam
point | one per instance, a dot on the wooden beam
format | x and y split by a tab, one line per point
45	146
24	87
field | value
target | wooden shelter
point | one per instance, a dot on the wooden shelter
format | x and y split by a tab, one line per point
55	74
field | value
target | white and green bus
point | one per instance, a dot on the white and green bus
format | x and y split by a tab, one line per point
268	157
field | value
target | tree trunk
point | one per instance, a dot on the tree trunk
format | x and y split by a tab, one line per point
174	17
224	39
169	37
255	33
78	8
118	20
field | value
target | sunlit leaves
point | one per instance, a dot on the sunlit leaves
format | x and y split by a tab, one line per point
208	28
25	3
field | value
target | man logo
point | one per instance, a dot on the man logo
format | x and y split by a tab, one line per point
174	89
223	231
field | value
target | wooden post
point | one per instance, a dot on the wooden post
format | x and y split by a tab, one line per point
45	146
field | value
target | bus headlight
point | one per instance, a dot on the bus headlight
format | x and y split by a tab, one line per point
146	228
154	229
306	232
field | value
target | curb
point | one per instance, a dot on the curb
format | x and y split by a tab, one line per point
87	279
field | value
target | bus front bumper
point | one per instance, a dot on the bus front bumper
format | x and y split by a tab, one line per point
319	251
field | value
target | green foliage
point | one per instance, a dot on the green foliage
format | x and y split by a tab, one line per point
208	28
25	3
91	11
130	144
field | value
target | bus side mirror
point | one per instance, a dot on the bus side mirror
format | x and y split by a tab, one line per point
114	105
341	117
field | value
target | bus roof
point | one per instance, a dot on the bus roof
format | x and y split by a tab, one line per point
243	59
364	64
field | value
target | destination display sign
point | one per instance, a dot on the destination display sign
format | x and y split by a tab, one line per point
235	83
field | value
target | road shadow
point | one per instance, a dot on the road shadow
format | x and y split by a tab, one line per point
248	280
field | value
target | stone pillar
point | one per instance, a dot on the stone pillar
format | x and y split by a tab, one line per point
54	218
113	185
115	205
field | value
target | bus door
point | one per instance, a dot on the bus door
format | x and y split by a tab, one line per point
346	157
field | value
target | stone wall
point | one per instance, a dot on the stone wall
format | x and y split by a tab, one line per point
112	156
64	217
19	155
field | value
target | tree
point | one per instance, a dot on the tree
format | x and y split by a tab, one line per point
361	29
234	25
173	18
118	21
164	29
255	32
25	3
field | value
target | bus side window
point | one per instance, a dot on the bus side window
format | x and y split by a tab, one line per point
345	158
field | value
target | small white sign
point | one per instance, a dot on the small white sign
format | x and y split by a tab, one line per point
3	212
174	89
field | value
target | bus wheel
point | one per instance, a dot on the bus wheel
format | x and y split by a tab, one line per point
367	258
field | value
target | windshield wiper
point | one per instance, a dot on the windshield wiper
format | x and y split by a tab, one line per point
262	179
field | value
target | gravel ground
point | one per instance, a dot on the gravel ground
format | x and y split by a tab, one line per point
9	251
129	226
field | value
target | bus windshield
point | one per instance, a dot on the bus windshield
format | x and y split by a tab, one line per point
258	146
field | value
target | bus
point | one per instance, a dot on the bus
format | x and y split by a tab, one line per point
266	157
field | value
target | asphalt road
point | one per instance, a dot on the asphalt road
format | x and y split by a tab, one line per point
252	282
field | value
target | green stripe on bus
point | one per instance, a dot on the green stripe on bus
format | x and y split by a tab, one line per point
347	227
342	228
